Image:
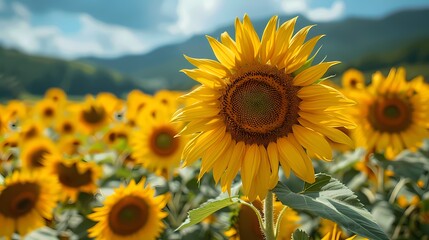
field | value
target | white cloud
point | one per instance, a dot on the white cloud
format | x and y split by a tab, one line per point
193	16
327	14
93	38
294	6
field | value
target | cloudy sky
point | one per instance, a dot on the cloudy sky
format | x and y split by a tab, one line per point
110	28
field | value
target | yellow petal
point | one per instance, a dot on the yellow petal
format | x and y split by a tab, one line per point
312	74
313	141
222	53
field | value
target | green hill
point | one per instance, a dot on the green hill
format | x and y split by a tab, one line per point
348	41
22	74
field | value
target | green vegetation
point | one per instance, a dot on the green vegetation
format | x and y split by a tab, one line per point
22	74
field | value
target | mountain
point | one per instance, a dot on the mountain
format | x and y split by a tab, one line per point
22	74
350	41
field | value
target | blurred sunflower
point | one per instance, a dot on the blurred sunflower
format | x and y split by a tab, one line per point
70	145
34	152
117	133
57	95
136	102
47	111
15	111
132	212
66	126
261	105
168	98
26	200
390	118
74	176
92	115
30	129
246	224
353	79
154	144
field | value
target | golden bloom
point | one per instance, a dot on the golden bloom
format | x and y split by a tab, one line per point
74	176
246	225
46	110
259	106
154	144
353	79
26	200
132	212
35	151
92	115
136	102
57	95
391	114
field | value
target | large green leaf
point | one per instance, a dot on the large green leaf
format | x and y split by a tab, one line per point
208	208
330	199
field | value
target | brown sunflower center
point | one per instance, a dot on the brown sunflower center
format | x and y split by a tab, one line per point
18	199
128	215
94	115
67	127
48	112
391	115
37	156
353	82
71	177
260	105
163	142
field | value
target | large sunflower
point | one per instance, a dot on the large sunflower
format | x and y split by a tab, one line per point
74	176
26	200
392	114
132	212
260	105
154	144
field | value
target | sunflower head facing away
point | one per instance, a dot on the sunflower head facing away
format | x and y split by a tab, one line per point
132	212
392	114
26	200
260	105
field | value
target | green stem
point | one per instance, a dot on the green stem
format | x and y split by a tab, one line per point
269	217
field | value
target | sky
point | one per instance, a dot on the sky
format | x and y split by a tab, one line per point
110	28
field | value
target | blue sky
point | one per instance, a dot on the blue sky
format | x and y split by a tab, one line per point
110	28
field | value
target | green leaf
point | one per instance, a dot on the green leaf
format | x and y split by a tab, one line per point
409	165
208	208
300	235
383	213
332	200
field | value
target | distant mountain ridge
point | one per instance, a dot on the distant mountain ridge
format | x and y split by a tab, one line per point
22	74
349	41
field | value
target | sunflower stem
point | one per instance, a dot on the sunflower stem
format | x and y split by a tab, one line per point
269	217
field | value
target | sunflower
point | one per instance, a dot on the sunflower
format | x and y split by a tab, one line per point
70	145
92	115
66	126
353	79
26	199
259	105
132	212
30	129
246	225
392	114
57	95
118	133
154	144
136	102
47	111
74	175
34	152
15	111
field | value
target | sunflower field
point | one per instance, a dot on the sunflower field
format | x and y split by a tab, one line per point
265	146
